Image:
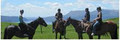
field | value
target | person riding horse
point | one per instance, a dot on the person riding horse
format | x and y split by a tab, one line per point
23	25
86	18
58	17
98	21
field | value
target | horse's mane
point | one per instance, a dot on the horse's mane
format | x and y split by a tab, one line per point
75	20
35	20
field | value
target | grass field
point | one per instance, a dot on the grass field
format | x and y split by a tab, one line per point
47	32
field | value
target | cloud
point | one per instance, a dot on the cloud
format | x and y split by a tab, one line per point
30	10
68	4
49	8
82	4
9	10
53	4
113	3
93	4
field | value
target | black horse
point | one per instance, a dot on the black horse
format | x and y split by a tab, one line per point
13	30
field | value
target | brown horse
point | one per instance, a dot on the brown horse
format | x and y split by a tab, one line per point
106	27
59	28
76	24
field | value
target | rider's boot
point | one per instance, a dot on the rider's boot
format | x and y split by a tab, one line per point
92	34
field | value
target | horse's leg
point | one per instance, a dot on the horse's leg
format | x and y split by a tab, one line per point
65	33
80	36
65	36
90	36
30	36
99	36
41	28
60	36
112	35
5	34
56	35
10	36
53	28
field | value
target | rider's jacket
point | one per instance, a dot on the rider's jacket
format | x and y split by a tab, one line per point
87	16
21	19
58	16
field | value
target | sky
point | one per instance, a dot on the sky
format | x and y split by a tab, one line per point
45	8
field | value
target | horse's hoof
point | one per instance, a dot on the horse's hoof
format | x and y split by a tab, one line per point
66	38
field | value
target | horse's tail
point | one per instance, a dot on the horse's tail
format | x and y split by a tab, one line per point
53	28
5	33
115	32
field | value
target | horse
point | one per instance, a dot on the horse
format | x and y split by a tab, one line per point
13	30
59	27
76	25
106	27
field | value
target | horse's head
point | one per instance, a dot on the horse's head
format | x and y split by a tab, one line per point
67	22
41	21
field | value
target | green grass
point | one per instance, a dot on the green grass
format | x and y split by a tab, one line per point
47	32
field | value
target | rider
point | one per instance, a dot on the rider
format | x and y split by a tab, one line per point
87	18
87	15
23	25
58	16
98	20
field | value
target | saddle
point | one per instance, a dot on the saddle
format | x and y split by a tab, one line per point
109	22
59	21
23	27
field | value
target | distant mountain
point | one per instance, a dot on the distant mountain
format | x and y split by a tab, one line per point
106	14
11	19
78	15
75	15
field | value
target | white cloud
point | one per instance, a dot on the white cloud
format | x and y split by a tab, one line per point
82	4
105	4
30	10
49	8
9	10
68	4
53	4
113	3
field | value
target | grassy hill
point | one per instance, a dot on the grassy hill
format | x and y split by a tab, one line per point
47	32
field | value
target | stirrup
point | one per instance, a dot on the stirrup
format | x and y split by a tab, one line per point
84	31
26	35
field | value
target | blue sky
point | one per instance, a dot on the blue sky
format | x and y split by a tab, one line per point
44	8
